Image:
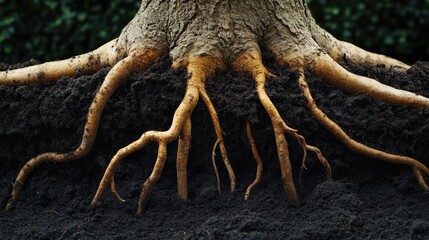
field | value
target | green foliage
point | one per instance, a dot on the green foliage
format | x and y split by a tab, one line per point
395	28
52	29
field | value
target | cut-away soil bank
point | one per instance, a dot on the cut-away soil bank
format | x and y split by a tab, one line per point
367	198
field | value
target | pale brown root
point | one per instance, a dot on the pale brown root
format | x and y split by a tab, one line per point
322	160
325	67
258	160
135	62
252	63
114	192
219	190
220	142
162	138
153	178
182	159
198	70
106	55
344	52
358	147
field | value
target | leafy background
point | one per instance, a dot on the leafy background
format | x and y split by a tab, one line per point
51	29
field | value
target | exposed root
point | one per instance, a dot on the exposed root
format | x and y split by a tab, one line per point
285	27
324	66
199	69
252	63
258	160
162	138
219	141
355	146
106	55
344	52
182	159
137	61
215	167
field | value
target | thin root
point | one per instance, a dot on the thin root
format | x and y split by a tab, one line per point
258	160
215	167
219	141
252	63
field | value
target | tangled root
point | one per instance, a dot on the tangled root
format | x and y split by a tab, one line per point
205	36
198	71
136	61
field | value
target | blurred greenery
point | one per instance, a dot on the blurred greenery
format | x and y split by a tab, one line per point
51	29
397	28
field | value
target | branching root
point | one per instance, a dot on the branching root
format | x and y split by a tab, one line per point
136	61
416	166
198	70
251	62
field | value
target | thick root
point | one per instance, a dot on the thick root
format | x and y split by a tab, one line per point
344	52
252	63
198	70
182	159
336	75
106	55
355	146
137	61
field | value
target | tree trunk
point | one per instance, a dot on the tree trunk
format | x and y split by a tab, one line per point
204	36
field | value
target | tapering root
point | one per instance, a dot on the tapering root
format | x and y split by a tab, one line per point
198	70
181	116
216	171
252	63
258	160
106	55
136	61
355	146
325	67
219	142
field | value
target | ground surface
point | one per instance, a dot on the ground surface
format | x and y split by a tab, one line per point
367	199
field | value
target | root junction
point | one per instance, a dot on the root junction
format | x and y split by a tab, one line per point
203	37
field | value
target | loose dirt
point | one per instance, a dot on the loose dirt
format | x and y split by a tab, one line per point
367	198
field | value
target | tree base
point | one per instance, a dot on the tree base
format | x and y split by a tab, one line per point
201	53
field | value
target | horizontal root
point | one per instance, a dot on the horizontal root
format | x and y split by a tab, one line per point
325	67
106	55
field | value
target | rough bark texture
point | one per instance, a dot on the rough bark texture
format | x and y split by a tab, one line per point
203	37
226	29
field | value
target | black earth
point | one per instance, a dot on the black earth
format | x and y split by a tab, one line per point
367	199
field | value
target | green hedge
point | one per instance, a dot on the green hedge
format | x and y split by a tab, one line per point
397	28
53	29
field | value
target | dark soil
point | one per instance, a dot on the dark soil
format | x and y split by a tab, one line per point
368	199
